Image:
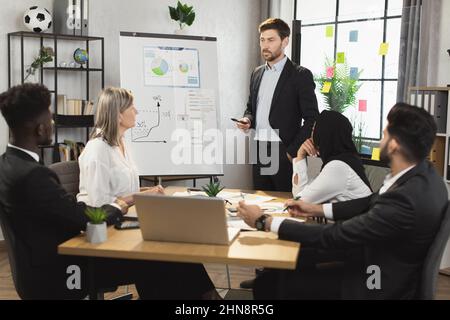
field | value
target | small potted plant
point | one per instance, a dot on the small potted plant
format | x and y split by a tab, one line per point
183	14
212	189
46	54
96	227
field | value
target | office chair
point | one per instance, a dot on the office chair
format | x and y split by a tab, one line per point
432	262
69	174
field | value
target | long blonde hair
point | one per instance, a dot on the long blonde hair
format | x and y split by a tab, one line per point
111	102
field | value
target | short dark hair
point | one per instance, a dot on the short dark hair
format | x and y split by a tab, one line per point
276	24
413	128
24	103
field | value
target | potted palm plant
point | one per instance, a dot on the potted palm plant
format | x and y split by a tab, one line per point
183	15
96	227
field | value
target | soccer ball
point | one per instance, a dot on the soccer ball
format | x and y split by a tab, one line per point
37	19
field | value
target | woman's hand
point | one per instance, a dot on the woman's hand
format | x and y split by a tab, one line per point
307	149
153	190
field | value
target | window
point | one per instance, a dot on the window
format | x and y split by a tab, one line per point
357	29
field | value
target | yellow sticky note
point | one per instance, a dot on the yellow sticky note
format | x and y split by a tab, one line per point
376	154
326	87
384	49
329	31
340	57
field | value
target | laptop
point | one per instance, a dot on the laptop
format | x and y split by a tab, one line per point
184	219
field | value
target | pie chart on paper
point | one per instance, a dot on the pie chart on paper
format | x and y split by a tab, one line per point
160	67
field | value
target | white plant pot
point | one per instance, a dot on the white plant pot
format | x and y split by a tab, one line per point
181	32
96	233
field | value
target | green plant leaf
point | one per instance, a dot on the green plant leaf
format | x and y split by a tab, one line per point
96	215
174	14
190	18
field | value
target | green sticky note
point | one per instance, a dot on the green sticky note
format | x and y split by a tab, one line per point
340	57
384	49
326	87
329	31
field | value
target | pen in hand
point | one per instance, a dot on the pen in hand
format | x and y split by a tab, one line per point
236	120
295	199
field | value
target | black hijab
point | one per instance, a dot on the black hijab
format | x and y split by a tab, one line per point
333	137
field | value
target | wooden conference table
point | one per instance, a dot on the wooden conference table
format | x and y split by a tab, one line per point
249	248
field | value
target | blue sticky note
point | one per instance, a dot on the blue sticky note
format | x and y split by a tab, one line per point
354	36
354	73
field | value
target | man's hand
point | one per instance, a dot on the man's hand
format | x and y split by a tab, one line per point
153	190
249	213
299	208
244	124
307	149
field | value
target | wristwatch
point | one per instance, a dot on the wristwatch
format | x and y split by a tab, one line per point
260	223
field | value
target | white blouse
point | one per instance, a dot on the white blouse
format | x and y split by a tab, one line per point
105	174
336	182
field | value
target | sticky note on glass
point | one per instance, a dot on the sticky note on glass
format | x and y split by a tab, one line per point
362	105
384	49
340	58
329	31
354	73
330	72
376	154
353	36
326	87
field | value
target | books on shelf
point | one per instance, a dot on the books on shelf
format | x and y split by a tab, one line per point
70	150
74	107
435	102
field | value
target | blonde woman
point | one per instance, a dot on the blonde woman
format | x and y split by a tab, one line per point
107	172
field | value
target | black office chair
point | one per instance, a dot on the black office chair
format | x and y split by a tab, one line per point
17	263
432	262
69	174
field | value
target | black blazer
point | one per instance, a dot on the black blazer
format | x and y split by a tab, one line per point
293	100
394	231
42	215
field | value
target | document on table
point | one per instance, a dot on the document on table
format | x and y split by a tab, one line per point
233	197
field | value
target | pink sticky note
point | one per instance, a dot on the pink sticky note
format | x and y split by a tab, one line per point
330	72
362	105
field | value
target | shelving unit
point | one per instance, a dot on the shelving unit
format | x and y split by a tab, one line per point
61	121
436	101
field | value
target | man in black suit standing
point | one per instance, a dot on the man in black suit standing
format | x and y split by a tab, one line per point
382	240
43	215
281	97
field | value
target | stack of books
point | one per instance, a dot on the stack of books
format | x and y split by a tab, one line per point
74	107
70	150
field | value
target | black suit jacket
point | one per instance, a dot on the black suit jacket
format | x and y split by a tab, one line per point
394	231
42	215
293	100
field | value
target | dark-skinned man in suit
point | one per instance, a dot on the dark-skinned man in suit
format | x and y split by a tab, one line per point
43	215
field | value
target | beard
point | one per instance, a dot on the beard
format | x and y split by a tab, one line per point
384	154
271	56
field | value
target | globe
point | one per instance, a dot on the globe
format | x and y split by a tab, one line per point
81	56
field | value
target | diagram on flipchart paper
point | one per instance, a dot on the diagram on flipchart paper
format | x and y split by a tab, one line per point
148	120
195	112
171	67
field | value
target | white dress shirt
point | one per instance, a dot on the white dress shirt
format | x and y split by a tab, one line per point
336	182
388	182
105	174
264	132
32	154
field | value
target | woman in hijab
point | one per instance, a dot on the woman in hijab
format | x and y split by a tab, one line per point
342	175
